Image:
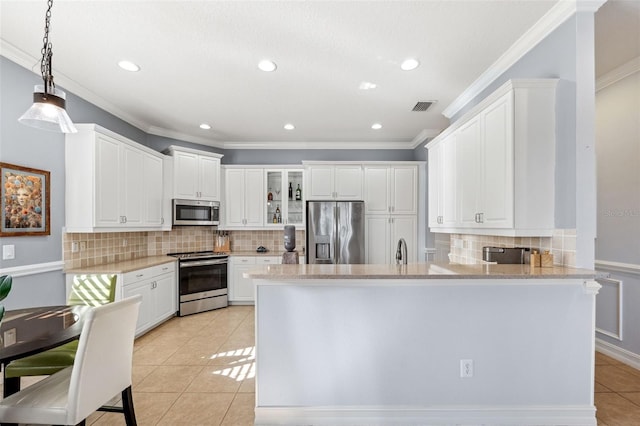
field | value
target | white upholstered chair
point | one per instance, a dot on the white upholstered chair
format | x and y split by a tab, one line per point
101	371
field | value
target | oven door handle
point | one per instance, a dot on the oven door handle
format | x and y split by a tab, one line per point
203	262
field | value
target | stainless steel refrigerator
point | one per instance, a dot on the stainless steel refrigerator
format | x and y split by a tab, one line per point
335	232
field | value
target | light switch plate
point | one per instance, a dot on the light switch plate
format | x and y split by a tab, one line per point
8	252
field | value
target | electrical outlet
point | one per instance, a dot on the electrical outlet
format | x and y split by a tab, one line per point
74	247
124	242
466	368
9	337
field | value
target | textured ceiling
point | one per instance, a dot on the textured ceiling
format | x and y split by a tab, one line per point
199	62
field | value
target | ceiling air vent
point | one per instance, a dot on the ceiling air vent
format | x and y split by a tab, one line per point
423	105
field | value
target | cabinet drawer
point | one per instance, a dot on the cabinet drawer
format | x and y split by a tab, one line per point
269	260
244	260
146	273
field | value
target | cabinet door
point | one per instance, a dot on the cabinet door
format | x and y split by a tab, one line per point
435	185
209	178
403	189
185	169
234	197
294	208
449	208
153	189
165	297
274	202
107	182
404	227
378	245
254	197
132	188
497	165
241	289
146	313
376	190
348	182
468	164
321	183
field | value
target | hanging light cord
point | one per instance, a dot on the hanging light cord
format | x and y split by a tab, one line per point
47	53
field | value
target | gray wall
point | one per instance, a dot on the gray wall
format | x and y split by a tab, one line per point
554	57
618	170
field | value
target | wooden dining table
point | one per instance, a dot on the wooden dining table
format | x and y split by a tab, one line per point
29	331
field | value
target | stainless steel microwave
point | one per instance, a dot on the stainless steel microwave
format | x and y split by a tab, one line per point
196	212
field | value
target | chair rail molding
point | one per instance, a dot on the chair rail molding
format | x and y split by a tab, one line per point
33	269
627	268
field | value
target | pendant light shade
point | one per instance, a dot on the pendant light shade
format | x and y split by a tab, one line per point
48	112
48	109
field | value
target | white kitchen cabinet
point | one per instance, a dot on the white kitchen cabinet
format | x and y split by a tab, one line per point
382	234
391	189
280	207
502	154
244	197
111	182
330	181
196	174
442	183
241	289
158	287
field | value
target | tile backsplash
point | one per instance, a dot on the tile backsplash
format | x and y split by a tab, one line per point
468	248
107	247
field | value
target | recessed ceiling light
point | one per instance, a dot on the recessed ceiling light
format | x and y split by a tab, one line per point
205	126
376	126
409	64
289	126
128	66
267	65
366	85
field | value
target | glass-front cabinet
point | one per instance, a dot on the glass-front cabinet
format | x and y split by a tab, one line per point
284	197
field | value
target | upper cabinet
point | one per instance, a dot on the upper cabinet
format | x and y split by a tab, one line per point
244	198
111	182
284	202
331	181
391	189
196	174
493	171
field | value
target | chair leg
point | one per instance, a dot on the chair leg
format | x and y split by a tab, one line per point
127	407
11	386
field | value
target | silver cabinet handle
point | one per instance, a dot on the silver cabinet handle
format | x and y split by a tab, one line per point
139	275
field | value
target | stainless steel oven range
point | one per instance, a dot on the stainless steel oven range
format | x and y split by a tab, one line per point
202	281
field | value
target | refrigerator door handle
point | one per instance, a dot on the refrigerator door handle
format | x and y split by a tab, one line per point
336	245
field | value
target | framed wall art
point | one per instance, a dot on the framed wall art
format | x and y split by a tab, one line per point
25	201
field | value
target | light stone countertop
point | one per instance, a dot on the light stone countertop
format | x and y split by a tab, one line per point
414	271
124	266
255	253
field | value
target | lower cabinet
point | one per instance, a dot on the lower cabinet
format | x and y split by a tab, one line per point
158	287
382	234
241	289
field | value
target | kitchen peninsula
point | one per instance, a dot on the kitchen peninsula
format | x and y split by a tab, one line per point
424	344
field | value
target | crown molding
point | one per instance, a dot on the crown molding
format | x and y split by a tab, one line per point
623	71
424	136
159	131
557	15
319	145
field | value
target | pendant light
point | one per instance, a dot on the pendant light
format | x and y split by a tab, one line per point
48	109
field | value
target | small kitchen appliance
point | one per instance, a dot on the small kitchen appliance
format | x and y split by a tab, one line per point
518	255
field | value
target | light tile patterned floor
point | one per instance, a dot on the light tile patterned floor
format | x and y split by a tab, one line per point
199	370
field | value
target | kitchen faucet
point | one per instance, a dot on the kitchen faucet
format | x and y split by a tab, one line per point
401	252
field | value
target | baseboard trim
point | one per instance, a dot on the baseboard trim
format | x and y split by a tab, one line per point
36	268
618	353
397	415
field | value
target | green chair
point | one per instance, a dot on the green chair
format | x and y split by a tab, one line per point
91	290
